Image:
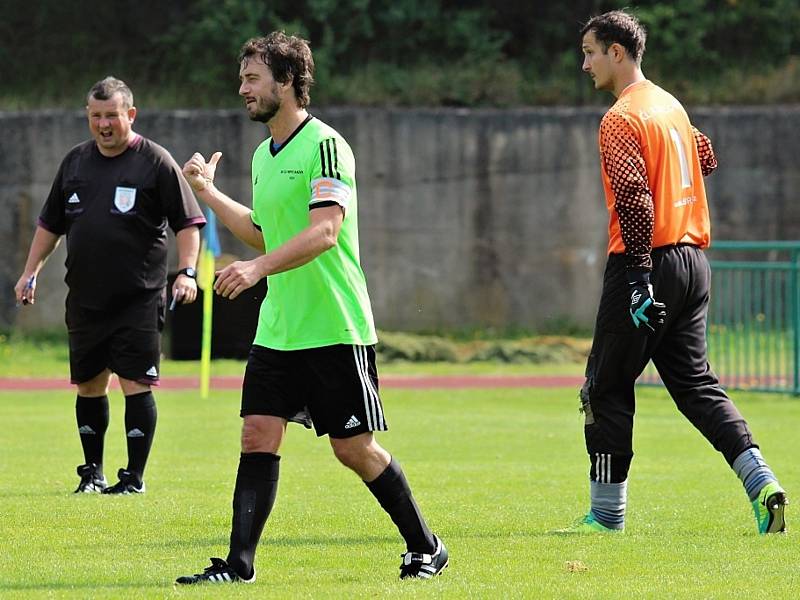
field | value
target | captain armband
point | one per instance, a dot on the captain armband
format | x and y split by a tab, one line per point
326	191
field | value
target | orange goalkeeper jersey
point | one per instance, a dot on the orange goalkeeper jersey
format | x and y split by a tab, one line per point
653	162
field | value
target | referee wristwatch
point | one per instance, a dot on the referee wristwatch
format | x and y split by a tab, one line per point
189	272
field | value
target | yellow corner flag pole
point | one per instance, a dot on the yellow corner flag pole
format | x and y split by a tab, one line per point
209	251
207	285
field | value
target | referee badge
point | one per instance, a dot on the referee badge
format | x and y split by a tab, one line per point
124	198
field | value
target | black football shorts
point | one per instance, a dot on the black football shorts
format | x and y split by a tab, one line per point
126	340
335	388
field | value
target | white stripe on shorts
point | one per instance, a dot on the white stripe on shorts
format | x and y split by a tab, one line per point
372	405
367	410
376	399
377	410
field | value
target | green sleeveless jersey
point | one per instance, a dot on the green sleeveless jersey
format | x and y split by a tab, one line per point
325	301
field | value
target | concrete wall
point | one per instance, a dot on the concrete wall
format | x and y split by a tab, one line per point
469	218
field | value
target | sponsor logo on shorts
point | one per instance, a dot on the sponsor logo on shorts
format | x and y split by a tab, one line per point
353	422
152	372
73	199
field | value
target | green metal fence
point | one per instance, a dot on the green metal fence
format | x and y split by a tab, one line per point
754	316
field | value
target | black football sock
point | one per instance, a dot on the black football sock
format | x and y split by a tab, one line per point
394	495
92	417
140	426
253	498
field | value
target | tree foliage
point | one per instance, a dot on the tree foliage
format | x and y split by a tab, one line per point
183	52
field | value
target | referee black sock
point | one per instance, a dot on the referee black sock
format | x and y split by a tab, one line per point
394	495
140	426
253	498
92	417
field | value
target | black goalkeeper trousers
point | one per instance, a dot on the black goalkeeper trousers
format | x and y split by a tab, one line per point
681	279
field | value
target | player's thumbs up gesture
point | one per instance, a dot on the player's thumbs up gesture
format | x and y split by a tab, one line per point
199	173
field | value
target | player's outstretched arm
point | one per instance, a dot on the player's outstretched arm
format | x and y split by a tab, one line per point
236	217
42	246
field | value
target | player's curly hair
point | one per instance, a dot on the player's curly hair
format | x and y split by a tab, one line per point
106	88
620	27
288	57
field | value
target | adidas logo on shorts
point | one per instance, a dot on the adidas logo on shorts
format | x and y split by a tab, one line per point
152	372
353	422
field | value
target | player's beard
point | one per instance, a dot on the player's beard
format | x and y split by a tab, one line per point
266	108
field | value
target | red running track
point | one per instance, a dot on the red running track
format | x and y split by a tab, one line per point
387	381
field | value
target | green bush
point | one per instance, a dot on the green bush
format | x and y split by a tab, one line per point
399	52
415	348
410	347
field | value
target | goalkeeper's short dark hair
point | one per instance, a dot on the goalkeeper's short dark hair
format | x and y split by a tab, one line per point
620	27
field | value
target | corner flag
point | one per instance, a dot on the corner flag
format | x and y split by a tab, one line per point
209	250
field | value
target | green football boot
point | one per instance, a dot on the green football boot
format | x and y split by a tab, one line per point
769	507
588	525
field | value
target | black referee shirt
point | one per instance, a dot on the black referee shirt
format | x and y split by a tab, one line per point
114	212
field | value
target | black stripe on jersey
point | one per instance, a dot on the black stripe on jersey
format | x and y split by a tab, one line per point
335	161
329	158
323	159
332	171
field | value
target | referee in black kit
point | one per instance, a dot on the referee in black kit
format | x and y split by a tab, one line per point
113	197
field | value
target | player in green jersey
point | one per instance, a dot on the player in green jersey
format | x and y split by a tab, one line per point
313	358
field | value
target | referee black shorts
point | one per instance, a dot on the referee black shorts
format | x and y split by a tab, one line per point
335	388
126	340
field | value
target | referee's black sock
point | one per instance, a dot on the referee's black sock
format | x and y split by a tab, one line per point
140	426
394	495
253	498
92	417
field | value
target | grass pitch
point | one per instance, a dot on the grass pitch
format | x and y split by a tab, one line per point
493	470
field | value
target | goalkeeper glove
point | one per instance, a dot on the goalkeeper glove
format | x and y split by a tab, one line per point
645	310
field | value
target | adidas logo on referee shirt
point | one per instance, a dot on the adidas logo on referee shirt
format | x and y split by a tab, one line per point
353	422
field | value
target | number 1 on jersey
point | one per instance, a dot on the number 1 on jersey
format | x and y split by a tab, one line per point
686	178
